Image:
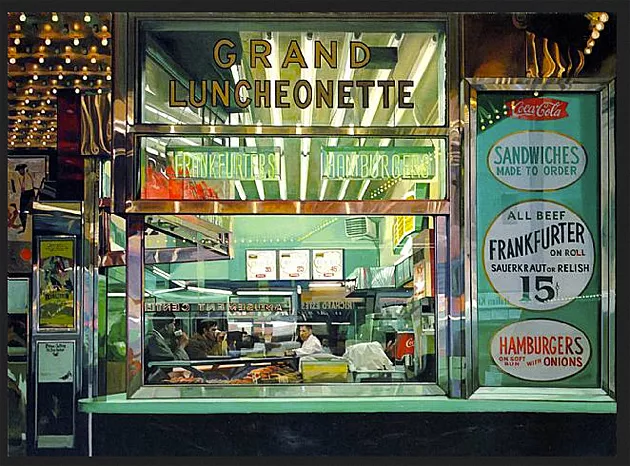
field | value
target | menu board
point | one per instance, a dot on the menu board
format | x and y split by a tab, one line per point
538	285
262	265
328	264
295	264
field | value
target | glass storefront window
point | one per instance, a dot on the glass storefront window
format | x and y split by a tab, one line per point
376	73
307	168
366	288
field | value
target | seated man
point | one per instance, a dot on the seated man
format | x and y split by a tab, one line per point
207	341
310	343
163	344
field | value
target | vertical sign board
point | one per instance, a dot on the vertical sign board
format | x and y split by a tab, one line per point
537	208
56	307
55	394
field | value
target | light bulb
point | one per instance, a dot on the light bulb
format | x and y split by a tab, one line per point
104	42
28	143
55	18
599	26
84	77
47	41
16	41
92	60
595	34
68	60
60	76
30	90
100	91
48	101
22	17
54	91
590	43
87	18
35	77
75	42
12	60
27	101
77	90
587	51
41	59
108	77
603	17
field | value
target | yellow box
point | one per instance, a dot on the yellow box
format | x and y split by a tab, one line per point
324	371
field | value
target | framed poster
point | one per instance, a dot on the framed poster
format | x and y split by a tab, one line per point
262	265
55	394
25	176
56	309
538	244
295	264
328	264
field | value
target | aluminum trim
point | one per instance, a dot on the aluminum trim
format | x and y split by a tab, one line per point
603	232
537	84
135	288
612	238
153	129
280	207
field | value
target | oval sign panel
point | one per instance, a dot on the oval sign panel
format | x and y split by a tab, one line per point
537	160
539	255
540	350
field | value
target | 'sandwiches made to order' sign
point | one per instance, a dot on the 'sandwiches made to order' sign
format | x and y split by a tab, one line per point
538	236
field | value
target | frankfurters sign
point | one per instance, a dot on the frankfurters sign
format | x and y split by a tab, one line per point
537	160
540	350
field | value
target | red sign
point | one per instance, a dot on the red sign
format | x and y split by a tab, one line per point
537	108
404	344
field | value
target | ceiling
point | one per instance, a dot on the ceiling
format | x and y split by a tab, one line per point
47	52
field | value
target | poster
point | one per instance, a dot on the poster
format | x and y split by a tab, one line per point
57	281
261	265
24	178
538	237
328	264
295	264
55	394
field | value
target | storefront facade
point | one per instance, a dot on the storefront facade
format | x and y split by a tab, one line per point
440	216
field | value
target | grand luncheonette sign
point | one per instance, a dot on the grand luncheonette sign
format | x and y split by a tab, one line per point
282	93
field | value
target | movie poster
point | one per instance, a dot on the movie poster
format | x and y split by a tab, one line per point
25	177
56	284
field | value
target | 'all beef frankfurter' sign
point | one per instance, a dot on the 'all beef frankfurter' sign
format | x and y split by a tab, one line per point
540	350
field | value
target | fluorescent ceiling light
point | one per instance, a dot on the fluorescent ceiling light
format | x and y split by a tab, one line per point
326	285
167	290
116	295
263	293
209	290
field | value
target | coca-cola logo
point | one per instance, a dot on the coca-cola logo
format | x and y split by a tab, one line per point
537	108
409	343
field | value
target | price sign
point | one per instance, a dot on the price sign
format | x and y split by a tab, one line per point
328	264
261	265
295	264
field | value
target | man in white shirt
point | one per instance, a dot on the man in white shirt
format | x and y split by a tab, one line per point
310	343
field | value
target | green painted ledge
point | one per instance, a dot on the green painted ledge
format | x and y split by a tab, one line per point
119	404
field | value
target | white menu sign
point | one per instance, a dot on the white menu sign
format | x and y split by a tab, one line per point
261	265
295	264
328	264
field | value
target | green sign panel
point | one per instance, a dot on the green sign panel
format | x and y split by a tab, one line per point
538	241
224	163
378	163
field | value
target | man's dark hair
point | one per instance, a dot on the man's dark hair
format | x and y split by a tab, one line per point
205	324
310	327
162	318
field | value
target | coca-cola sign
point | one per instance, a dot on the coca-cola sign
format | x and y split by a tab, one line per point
537	108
